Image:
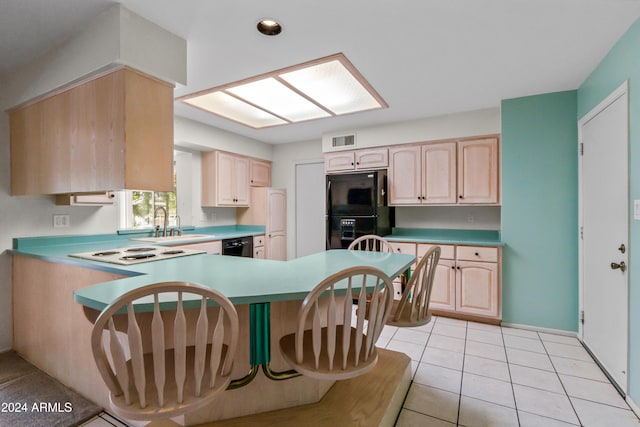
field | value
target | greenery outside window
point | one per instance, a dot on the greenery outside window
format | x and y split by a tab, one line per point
139	208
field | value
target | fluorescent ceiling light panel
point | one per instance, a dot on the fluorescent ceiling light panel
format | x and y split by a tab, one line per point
322	88
274	96
333	86
234	109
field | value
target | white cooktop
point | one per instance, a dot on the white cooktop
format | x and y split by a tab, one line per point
137	254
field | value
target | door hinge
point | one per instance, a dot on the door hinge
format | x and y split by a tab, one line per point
582	316
582	148
581	233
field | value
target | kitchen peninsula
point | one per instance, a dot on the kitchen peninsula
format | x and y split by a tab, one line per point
52	331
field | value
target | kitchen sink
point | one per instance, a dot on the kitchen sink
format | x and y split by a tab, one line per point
183	238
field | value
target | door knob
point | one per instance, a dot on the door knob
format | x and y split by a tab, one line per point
622	266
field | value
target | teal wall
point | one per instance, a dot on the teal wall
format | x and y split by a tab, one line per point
623	63
540	211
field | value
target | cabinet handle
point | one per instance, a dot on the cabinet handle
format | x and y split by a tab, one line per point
453	267
357	163
477	254
351	163
461	196
458	267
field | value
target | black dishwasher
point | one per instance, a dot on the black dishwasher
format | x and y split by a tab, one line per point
241	246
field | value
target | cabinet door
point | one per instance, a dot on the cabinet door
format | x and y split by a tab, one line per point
405	175
258	253
374	158
260	173
443	293
241	184
478	171
276	212
225	179
439	173
339	161
276	247
477	288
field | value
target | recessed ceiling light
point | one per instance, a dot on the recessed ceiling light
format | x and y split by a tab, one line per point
316	89
269	27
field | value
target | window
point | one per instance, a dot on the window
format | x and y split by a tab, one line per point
138	207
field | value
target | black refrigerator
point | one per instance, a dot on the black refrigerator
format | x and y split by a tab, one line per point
356	206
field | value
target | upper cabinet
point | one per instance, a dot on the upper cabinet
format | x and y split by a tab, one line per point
225	179
449	172
478	171
112	132
260	173
371	158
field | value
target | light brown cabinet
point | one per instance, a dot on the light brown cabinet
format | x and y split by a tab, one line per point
365	159
446	173
260	173
225	179
268	208
258	247
467	279
109	133
478	171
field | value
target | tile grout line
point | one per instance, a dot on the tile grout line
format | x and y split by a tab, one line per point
464	356
513	392
560	380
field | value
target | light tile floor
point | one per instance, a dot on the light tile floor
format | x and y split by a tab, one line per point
472	374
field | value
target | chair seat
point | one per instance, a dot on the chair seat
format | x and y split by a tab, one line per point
152	409
307	367
404	319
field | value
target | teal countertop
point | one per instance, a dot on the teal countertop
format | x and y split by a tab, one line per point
58	248
447	236
243	280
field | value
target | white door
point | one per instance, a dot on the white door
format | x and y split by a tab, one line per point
310	208
605	247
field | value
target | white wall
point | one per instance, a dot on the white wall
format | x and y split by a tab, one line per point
468	123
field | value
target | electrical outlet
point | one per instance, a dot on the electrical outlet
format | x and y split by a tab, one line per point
470	218
61	220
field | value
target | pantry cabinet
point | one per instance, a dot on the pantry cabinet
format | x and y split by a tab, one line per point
112	132
225	179
445	173
268	208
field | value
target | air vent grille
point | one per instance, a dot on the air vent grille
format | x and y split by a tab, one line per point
343	141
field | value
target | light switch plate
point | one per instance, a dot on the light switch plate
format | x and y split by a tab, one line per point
636	209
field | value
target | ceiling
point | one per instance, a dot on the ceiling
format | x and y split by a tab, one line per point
424	57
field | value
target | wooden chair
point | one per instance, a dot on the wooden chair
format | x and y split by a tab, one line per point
165	379
333	348
370	242
413	307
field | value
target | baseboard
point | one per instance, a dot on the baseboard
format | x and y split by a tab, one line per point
634	407
539	329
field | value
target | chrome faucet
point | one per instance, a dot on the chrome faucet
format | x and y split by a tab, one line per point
166	221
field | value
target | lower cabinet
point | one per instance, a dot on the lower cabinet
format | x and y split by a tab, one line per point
467	279
258	247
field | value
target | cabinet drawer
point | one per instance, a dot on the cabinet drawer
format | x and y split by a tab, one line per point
258	241
477	253
446	251
404	248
